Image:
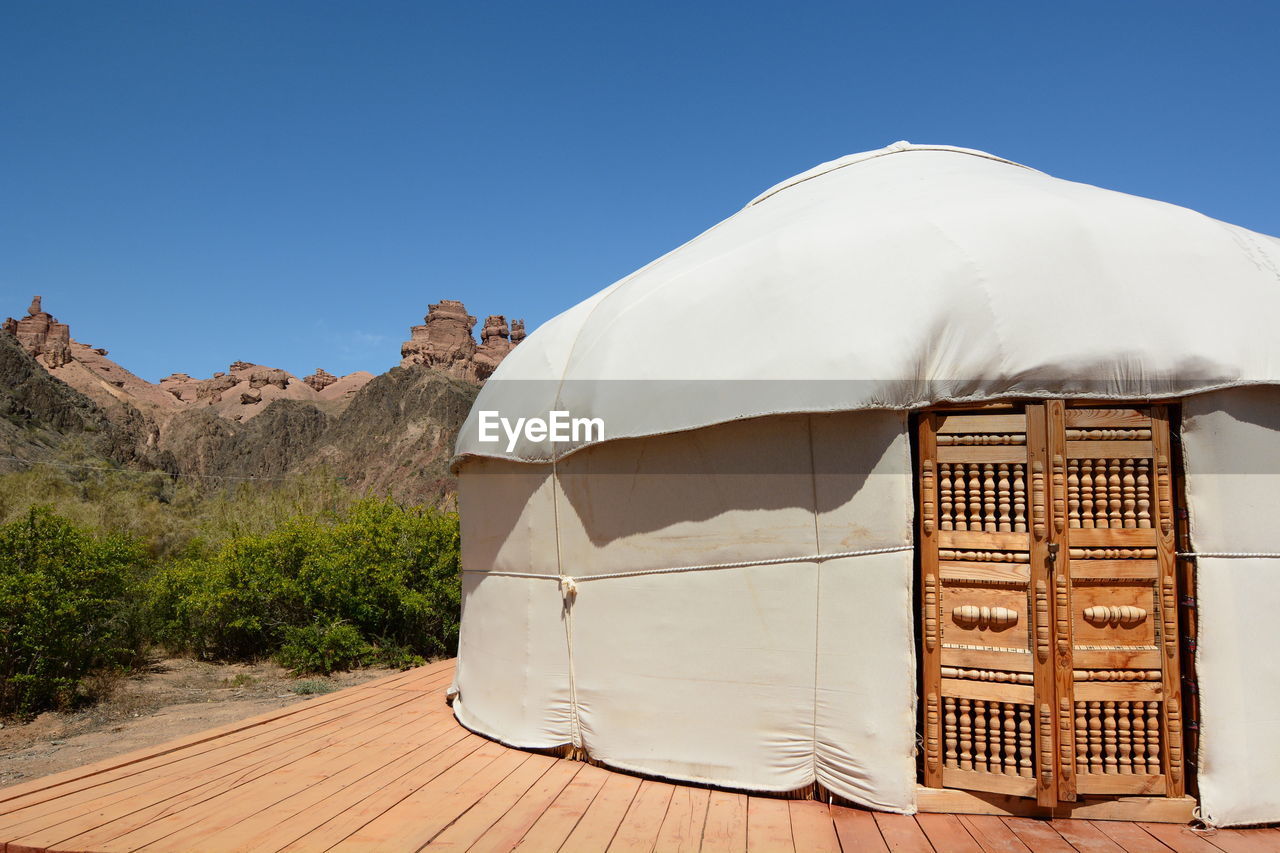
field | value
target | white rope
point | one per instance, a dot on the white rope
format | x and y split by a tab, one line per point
569	584
1233	555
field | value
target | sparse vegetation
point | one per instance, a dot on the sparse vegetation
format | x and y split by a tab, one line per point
301	571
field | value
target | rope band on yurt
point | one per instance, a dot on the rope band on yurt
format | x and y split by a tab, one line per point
1231	555
569	583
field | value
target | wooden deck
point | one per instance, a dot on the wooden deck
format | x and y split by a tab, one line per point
385	767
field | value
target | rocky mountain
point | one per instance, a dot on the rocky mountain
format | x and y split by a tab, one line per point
392	433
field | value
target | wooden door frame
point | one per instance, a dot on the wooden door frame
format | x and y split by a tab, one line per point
1160	809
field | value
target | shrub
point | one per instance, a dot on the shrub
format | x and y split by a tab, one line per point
66	609
323	648
378	582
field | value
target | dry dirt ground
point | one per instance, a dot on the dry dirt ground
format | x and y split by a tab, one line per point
170	699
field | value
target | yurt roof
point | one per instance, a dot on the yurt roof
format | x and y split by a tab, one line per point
900	278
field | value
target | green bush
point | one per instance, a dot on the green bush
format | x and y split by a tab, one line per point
66	609
323	648
379	582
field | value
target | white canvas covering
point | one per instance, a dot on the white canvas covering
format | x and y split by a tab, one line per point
1232	460
765	677
754	385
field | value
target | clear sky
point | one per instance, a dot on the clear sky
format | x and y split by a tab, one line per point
190	183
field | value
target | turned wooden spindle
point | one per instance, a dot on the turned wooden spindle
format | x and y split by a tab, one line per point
1086	493
1101	495
1144	493
1073	493
1115	495
1019	499
1129	484
944	496
966	735
1095	737
1138	727
979	735
932	750
975	497
1110	756
1024	741
989	498
1153	737
961	506
995	728
949	731
1082	738
1124	735
1010	740
1004	500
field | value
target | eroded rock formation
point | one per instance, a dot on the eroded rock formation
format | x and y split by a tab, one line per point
444	342
42	336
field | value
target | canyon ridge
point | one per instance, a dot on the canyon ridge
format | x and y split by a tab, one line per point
64	402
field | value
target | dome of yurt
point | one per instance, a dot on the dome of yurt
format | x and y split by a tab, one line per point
926	479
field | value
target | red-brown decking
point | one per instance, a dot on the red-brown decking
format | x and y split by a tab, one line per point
384	766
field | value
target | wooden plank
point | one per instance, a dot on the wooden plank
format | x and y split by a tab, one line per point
812	826
151	756
1119	691
1130	837
1038	835
1013	660
447	791
726	827
988	691
297	815
237	797
507	831
1179	838
992	834
205	752
1106	537
1119	418
930	600
1085	837
477	820
1041	623
1117	658
1109	449
415	819
996	783
686	816
768	826
600	821
1164	518
950	424
1061	607
200	777
357	807
1155	809
640	827
551	829
999	572
1082	569
1245	840
901	833
946	832
1149	809
857	830
970	540
1015	454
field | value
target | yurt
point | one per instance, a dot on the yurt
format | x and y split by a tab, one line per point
925	481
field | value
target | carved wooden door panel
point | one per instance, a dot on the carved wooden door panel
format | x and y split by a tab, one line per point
1046	564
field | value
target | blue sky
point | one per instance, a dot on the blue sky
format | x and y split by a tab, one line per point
191	183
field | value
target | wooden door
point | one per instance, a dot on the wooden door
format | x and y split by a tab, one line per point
1049	624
